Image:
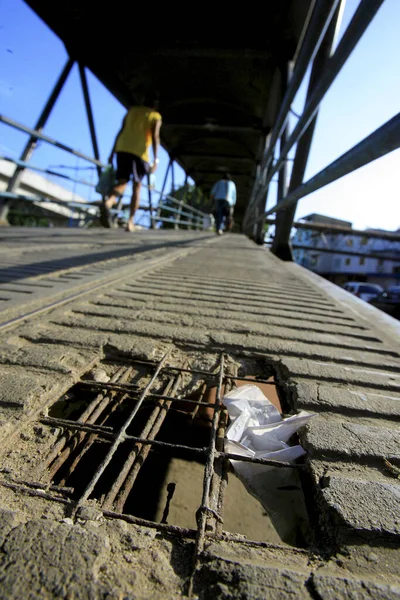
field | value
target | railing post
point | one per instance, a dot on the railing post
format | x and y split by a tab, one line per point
158	213
31	144
194	220
152	222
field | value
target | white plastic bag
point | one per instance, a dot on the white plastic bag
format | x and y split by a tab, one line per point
257	430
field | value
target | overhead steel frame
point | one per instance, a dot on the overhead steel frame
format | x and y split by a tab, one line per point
36	134
196	217
323	11
284	220
316	48
89	113
32	142
337	229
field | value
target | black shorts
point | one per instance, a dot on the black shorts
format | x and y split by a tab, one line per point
129	164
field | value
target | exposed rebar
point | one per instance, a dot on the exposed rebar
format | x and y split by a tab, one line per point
121	435
126	478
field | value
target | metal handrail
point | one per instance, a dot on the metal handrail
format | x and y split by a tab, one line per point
195	215
49	140
359	23
329	228
28	165
177	211
65	203
319	22
382	141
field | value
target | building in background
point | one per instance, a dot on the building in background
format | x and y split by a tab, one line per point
334	250
62	208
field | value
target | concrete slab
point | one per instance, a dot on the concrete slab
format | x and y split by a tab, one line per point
330	353
364	506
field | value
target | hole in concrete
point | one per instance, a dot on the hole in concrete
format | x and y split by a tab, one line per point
176	410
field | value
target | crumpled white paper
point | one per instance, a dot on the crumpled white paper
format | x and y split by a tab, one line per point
257	430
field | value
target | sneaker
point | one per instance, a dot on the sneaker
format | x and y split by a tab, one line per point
220	232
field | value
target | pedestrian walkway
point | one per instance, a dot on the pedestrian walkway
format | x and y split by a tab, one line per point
190	313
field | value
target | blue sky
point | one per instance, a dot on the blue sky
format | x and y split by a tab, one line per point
364	96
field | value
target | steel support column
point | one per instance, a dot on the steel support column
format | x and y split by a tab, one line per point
89	113
284	219
31	145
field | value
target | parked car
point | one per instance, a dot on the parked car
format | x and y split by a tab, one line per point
389	301
365	291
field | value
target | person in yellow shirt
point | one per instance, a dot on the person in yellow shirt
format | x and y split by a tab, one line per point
140	130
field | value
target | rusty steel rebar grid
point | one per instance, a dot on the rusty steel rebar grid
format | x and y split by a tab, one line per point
90	415
165	386
146	439
205	509
121	435
127	476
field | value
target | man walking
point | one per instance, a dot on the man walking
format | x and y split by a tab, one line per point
224	195
140	130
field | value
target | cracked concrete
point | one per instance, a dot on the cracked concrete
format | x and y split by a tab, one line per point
328	355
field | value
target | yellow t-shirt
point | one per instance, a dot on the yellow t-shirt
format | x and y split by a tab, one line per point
136	134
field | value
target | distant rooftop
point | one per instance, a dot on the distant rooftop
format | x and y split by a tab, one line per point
316	218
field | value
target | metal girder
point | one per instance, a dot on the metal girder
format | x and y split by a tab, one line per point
216	156
319	22
380	142
320	18
216	172
285	219
335	229
363	16
211	128
34	133
203	74
89	113
31	144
